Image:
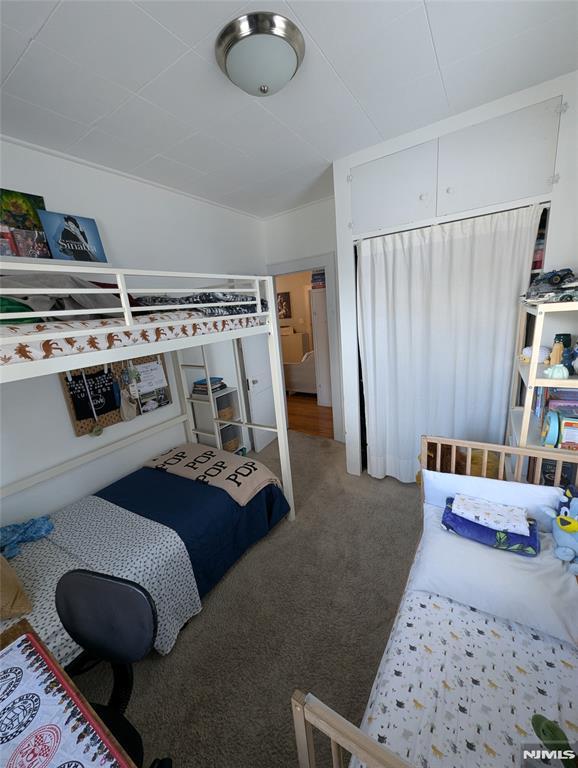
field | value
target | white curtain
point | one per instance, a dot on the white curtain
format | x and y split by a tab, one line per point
437	312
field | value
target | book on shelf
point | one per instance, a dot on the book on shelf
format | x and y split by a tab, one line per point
201	387
204	383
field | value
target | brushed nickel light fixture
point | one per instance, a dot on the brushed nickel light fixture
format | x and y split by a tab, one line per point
260	52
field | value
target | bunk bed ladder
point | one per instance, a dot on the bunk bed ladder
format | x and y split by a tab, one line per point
185	396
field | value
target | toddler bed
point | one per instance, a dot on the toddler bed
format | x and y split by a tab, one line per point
175	536
483	640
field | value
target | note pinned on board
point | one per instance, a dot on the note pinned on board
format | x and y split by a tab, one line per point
152	377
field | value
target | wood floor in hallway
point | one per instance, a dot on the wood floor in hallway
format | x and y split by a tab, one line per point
308	417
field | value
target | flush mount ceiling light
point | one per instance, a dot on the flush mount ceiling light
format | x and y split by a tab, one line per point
260	52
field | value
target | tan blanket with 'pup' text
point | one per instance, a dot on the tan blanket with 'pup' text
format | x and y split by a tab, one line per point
240	477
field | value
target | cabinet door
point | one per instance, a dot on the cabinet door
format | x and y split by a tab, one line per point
504	159
394	190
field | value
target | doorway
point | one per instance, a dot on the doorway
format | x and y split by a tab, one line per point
302	312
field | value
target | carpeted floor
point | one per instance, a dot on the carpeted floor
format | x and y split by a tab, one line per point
309	607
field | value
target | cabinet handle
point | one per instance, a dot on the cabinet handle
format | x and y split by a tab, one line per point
449	190
422	197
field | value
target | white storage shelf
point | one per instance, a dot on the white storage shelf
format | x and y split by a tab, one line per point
543	381
197	398
226	426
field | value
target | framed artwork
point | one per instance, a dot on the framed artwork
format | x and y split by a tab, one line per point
20	226
18	210
74	238
7	244
31	243
284	305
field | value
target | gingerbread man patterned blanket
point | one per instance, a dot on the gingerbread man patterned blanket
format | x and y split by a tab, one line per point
240	477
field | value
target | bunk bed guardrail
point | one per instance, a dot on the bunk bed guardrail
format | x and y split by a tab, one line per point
121	283
251	288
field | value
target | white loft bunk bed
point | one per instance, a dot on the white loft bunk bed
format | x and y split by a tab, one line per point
38	349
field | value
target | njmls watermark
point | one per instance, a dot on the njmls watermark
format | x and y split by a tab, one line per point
534	755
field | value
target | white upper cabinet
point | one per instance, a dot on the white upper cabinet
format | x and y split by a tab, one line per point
394	190
507	158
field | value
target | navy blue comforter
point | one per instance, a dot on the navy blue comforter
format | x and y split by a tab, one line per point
215	529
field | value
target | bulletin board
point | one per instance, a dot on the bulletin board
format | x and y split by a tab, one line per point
105	383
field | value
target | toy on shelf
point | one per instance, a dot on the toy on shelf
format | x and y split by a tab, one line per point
543	355
556	353
568	357
557	371
563	524
553	286
562	356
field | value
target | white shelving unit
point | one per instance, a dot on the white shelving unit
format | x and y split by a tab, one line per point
524	428
216	427
229	427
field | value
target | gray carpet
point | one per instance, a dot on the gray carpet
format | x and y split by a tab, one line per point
309	607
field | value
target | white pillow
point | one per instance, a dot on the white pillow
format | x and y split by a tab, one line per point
536	591
439	485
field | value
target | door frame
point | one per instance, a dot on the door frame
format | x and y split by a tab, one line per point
324	261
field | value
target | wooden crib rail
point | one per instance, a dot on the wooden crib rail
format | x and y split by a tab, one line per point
501	462
310	713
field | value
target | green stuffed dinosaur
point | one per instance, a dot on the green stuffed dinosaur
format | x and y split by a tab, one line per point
553	737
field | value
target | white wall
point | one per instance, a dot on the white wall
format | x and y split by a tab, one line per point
298	234
562	244
143	226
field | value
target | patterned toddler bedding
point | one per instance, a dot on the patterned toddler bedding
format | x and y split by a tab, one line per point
93	533
107	334
457	688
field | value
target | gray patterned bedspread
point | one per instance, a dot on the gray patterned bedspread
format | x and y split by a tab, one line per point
233	299
93	533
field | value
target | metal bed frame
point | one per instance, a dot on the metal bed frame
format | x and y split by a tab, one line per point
254	287
309	713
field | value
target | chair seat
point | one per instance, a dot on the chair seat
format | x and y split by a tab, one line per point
123	731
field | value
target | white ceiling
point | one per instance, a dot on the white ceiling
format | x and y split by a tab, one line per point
134	85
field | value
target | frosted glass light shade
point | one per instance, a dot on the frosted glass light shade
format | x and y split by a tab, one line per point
261	64
260	52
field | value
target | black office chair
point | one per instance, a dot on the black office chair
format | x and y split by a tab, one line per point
113	620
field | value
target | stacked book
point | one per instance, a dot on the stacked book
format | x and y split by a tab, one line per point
201	387
318	278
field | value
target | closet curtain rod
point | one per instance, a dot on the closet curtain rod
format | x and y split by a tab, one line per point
545	205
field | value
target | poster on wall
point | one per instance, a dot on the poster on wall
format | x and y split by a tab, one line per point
284	305
21	232
74	238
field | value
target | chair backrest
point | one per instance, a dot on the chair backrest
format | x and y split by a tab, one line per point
113	619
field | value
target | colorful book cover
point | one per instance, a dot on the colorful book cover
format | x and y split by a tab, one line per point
19	210
7	244
31	243
74	238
